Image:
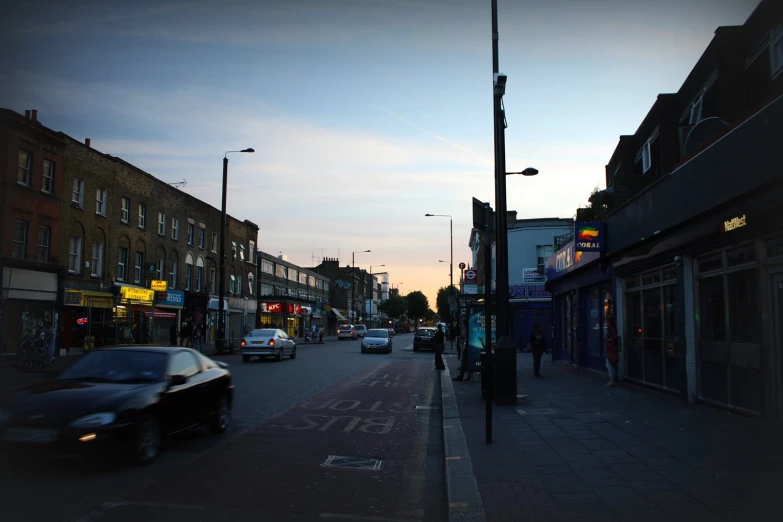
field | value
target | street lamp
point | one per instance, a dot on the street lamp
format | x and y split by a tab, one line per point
222	282
353	277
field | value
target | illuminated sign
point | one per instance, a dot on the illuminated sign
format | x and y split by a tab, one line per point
158	285
734	223
82	320
137	294
589	237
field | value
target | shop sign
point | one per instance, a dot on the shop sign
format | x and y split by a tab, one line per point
72	298
272	308
79	298
589	236
170	298
531	275
159	285
137	294
734	223
568	259
294	308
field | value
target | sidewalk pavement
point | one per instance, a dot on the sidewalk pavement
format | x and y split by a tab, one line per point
577	450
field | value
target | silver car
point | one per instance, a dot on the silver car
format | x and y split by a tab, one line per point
377	340
267	342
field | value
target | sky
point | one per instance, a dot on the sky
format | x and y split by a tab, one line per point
364	114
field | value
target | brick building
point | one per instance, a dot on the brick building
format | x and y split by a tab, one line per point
31	160
122	228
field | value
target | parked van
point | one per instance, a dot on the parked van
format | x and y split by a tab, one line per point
361	330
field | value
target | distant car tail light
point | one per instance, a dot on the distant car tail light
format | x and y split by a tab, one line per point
271	342
243	343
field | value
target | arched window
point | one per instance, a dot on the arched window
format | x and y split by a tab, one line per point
200	274
189	272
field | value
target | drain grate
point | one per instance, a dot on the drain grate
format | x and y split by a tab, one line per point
336	461
538	411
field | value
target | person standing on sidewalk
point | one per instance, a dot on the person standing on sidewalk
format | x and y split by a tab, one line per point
440	346
537	345
612	355
49	335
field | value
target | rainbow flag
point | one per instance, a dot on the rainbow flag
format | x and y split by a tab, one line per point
588	233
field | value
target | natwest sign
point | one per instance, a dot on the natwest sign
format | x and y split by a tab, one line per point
734	223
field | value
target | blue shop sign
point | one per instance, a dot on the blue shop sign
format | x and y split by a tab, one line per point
568	259
589	236
174	298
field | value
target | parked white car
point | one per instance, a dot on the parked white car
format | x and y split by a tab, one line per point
267	342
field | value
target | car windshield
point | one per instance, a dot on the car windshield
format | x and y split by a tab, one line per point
113	365
264	332
345	326
378	333
426	333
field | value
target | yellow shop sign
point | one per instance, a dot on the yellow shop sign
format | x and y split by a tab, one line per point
159	285
137	294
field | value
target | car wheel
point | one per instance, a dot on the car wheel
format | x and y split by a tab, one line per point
279	356
293	354
148	442
221	420
245	358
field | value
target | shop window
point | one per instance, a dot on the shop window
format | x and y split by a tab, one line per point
740	257
710	264
122	263
712	309
672	314
744	310
653	328
651	279
633	314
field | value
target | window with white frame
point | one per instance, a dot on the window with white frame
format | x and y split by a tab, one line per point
250	280
47	177
161	224
77	193
101	195
19	250
202	237
138	267
199	274
122	263
189	272
212	278
267	267
233	250
173	275
543	252
242	252
190	233
776	50
75	255
142	215
646	156
251	251
23	170
125	213
174	228
44	243
97	259
159	269
239	285
232	285
214	242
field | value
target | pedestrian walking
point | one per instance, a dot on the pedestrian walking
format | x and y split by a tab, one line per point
440	346
537	345
197	339
612	354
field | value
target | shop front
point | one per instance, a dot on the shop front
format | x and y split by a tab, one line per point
137	315
283	314
196	307
172	303
87	320
28	300
581	285
241	316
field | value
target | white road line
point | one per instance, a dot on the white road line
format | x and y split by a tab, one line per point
345	516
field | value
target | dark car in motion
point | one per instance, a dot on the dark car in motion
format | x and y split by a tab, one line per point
424	339
113	399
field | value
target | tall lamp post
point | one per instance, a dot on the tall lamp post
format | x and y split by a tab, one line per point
220	341
353	277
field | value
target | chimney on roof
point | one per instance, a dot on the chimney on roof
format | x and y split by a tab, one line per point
87	141
35	114
27	114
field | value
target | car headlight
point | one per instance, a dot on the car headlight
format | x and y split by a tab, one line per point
94	420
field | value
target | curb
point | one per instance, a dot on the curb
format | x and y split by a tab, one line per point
462	490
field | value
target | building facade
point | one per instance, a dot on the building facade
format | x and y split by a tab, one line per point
31	160
290	297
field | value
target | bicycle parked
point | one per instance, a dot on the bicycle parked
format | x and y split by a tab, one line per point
31	354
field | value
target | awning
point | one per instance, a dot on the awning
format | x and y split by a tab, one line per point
158	314
339	315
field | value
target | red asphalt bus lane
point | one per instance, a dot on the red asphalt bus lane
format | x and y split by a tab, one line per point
356	451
